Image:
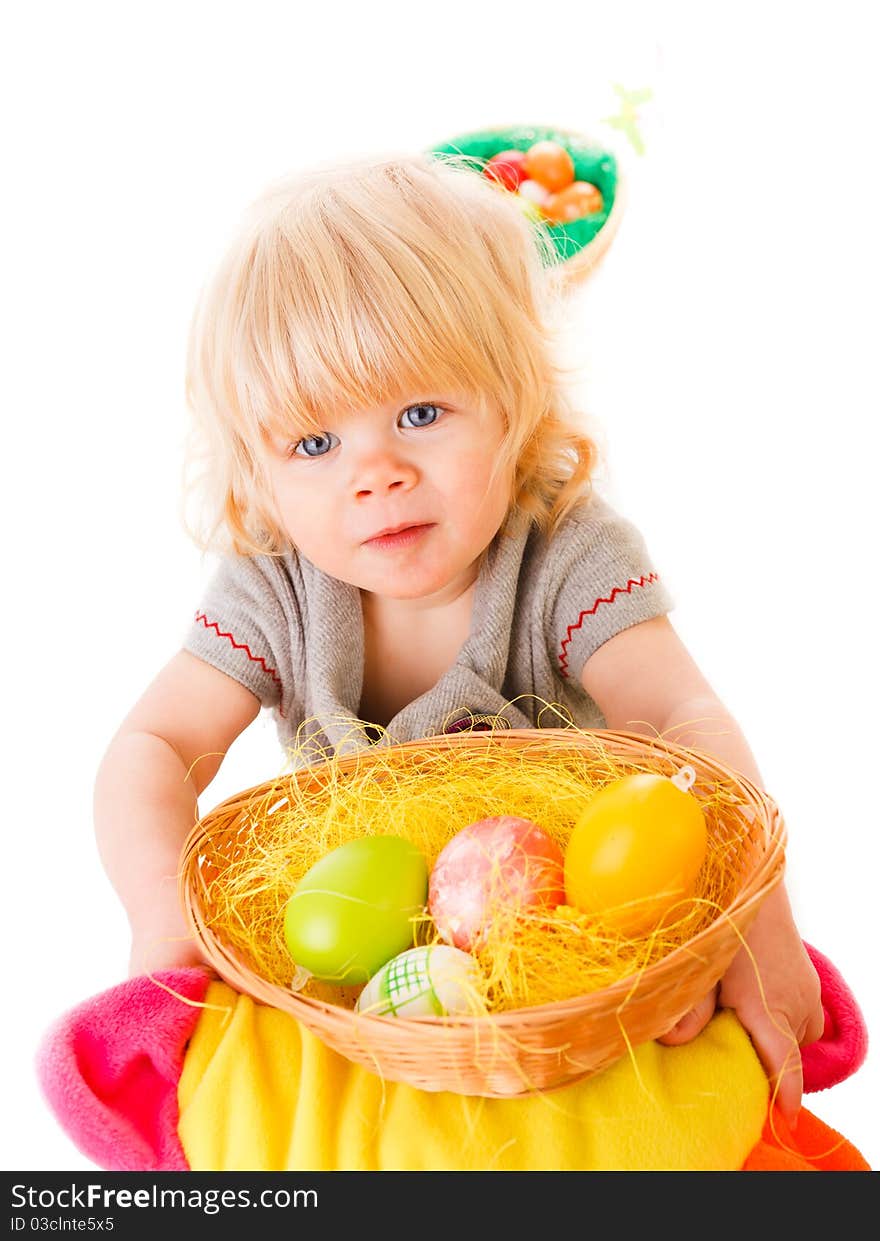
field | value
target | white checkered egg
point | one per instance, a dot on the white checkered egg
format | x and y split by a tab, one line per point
430	981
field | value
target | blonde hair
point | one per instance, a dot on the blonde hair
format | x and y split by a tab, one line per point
349	284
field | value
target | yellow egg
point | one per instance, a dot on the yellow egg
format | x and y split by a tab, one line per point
636	851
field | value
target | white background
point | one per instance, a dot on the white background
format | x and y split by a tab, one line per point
728	352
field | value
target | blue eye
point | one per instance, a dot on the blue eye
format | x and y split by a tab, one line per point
315	445
422	415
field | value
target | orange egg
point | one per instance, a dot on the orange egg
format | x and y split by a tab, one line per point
550	165
635	852
573	203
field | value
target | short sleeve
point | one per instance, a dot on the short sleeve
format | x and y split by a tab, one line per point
242	624
601	581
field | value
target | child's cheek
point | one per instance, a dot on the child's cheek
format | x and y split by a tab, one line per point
482	488
309	517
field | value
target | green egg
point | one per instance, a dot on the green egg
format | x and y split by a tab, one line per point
354	909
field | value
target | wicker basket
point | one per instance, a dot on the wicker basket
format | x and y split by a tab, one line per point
583	243
516	1052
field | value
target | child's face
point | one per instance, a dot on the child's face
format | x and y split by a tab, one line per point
420	462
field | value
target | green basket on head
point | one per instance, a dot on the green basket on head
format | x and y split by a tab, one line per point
578	244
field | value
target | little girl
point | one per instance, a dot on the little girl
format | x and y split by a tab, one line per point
411	542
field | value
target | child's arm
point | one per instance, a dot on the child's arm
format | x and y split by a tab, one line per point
644	680
164	755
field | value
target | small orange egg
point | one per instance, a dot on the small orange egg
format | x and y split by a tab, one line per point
550	165
573	203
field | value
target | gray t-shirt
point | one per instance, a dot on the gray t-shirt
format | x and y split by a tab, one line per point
294	636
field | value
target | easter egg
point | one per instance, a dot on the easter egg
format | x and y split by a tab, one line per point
430	981
354	909
635	852
572	203
549	164
500	863
534	191
507	168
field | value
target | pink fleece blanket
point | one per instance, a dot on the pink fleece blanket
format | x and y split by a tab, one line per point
109	1068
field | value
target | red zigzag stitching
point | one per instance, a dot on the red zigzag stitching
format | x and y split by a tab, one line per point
243	646
618	590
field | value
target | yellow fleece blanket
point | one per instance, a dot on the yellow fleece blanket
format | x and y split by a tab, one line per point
259	1092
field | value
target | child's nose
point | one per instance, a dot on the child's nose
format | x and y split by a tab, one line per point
382	473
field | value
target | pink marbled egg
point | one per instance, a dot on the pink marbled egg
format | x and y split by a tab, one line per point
504	862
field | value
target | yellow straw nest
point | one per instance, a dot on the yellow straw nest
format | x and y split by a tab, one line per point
560	994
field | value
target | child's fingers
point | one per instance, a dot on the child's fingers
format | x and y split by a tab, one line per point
691	1023
777	1048
813	1027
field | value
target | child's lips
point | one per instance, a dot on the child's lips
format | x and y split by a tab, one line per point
400	538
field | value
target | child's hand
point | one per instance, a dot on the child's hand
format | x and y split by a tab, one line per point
150	955
161	939
775	991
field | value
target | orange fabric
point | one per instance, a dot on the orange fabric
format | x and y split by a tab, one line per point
814	1147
